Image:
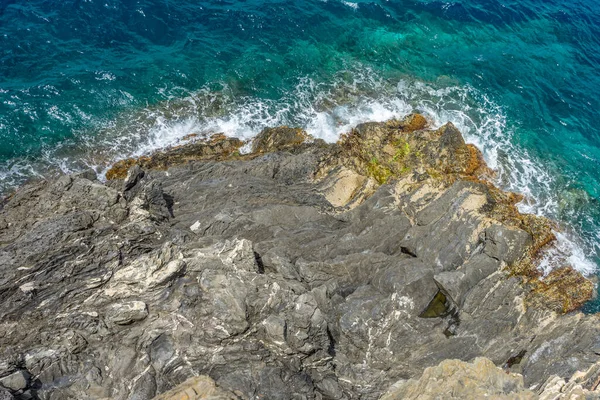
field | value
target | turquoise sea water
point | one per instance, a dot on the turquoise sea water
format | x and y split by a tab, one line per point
86	82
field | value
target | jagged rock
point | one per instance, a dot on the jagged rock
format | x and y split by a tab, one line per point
277	139
215	148
126	313
88	174
15	381
134	175
310	272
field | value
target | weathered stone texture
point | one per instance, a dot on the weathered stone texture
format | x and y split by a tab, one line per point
300	271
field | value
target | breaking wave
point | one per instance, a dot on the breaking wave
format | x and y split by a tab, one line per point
327	110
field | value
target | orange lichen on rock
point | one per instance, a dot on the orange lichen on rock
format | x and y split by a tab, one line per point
120	168
279	139
216	138
190	136
398	148
217	147
385	150
414	122
476	165
563	290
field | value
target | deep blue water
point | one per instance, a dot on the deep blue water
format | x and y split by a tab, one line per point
86	82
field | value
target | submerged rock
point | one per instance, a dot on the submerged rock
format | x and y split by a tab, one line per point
302	270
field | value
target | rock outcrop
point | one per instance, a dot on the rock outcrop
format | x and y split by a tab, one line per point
197	388
299	271
453	379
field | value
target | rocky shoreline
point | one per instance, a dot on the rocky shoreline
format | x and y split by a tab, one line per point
384	265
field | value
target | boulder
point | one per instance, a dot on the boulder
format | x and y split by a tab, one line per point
18	380
278	139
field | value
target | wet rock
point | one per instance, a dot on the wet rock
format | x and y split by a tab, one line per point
278	139
413	122
215	148
89	174
564	289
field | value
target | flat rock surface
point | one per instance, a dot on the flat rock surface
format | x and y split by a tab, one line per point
295	273
458	380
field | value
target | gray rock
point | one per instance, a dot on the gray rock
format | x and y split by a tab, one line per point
126	313
505	244
134	175
88	174
242	270
16	381
5	395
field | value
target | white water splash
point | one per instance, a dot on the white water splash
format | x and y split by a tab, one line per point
326	111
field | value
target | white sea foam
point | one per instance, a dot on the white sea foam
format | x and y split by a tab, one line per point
326	111
165	133
566	252
329	125
350	4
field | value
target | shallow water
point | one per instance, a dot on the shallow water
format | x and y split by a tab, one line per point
86	82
